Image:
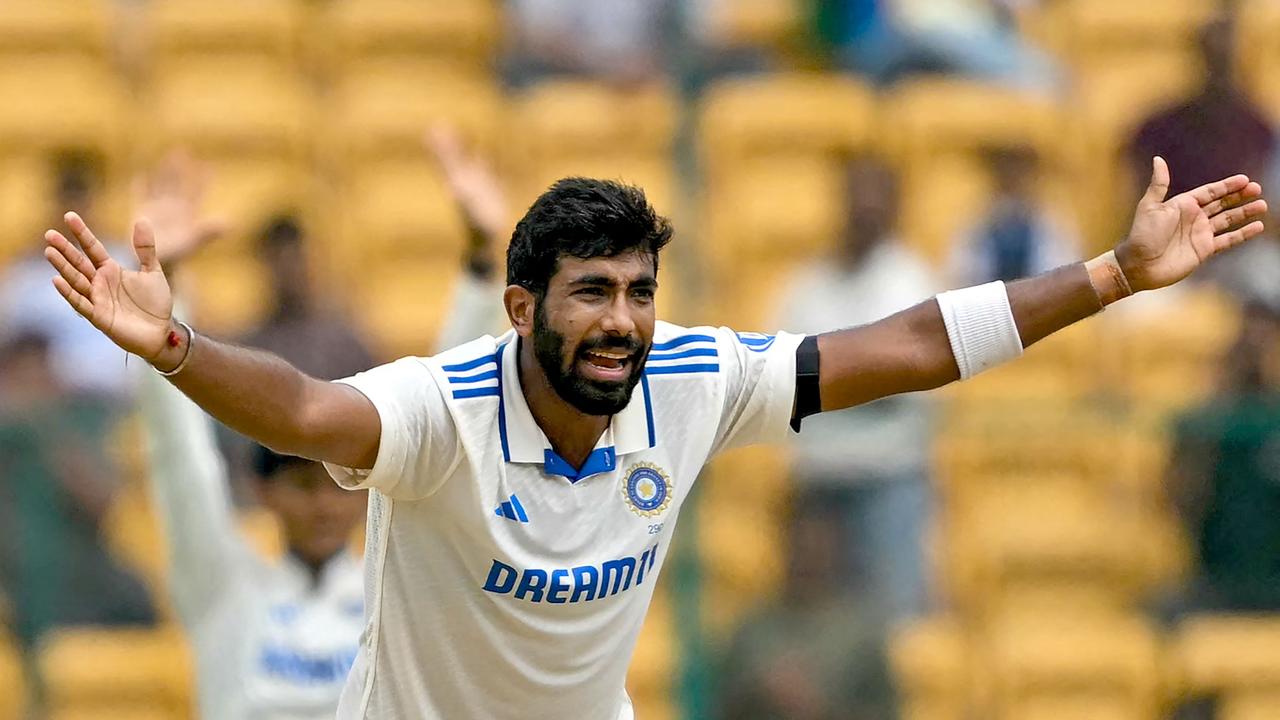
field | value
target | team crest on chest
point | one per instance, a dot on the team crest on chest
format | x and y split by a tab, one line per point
647	489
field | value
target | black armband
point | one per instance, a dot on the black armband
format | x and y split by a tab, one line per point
808	387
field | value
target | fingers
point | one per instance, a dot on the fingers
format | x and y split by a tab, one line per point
1238	216
1235	237
88	242
68	272
1206	194
77	301
144	246
57	241
1159	187
1250	191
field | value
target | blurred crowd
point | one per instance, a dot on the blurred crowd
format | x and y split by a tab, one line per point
862	502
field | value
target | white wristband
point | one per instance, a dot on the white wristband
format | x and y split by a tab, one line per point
980	326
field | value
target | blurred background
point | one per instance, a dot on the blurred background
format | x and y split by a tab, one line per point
1091	532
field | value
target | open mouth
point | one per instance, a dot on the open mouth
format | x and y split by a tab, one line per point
606	365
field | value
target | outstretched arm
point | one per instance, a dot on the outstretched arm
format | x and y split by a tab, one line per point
913	350
255	393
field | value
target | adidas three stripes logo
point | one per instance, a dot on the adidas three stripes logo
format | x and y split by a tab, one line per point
511	509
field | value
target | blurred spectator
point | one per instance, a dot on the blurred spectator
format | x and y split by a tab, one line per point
1019	236
625	41
812	654
56	485
82	358
300	328
871	460
887	40
1217	133
1224	479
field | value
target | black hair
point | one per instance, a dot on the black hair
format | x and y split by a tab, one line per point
583	218
280	232
266	463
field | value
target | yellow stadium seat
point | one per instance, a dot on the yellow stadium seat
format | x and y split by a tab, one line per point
741	547
1031	549
37	88
399	209
23	201
932	669
186	28
784	114
753	23
654	667
403	304
1068	667
1262	705
93	672
1227	655
758	476
230	107
653	174
229	294
13	689
1259	55
56	27
385	109
563	117
1105	32
461	31
261	528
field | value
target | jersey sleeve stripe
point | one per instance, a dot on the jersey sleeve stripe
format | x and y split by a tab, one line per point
682	369
471	364
683	340
477	392
464	379
694	352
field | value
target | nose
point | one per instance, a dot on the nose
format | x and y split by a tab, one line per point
617	319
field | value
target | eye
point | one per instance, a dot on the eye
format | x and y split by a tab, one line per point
644	294
592	292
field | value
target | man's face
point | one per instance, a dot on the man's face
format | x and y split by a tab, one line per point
317	516
592	331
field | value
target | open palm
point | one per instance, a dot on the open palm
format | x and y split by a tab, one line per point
1171	238
132	307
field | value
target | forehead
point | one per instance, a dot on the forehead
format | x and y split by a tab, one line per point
626	268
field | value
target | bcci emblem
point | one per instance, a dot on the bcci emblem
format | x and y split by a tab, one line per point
646	489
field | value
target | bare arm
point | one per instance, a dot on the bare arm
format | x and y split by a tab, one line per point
253	392
911	350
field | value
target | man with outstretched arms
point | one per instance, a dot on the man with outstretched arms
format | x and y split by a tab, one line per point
524	489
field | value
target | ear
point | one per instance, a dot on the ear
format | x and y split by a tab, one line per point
520	305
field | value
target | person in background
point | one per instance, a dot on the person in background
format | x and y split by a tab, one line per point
80	358
621	41
56	486
888	40
871	461
271	638
483	204
1218	127
1018	236
812	654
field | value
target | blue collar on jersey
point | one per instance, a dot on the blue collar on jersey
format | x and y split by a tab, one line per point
629	431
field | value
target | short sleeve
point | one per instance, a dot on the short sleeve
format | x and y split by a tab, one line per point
419	445
759	375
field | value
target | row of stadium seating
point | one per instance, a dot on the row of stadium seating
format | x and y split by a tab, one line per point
1117	668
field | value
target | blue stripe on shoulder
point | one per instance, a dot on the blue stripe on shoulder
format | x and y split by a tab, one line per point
476	392
683	340
464	379
470	364
682	369
692	352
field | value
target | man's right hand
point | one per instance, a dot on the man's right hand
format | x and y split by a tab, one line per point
132	307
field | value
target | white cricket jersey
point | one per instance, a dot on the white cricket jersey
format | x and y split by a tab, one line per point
269	642
504	584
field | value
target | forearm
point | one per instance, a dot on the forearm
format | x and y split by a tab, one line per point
912	350
263	397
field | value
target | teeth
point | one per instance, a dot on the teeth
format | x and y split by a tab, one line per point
610	355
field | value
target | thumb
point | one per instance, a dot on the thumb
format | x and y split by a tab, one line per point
144	246
1159	187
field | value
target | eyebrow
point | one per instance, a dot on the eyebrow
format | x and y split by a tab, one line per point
648	281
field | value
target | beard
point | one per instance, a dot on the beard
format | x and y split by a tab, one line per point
588	396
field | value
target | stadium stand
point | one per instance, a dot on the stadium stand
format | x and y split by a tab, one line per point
463	34
101	673
183	29
57	27
1235	658
12	682
932	662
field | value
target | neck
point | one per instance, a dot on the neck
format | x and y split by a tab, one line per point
315	567
572	433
